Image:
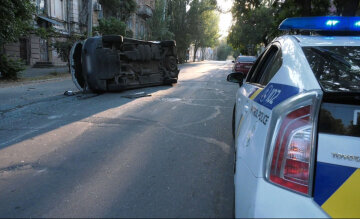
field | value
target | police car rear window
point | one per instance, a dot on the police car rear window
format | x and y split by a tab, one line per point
337	68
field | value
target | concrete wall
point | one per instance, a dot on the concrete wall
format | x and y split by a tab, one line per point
12	50
136	23
34	49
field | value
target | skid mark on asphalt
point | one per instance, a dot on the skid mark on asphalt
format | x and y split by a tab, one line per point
22	166
211	117
190	102
106	122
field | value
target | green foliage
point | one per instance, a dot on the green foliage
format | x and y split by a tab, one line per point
203	24
293	8
10	68
256	21
159	23
210	29
179	26
252	27
223	51
63	47
121	9
15	19
192	22
108	26
347	8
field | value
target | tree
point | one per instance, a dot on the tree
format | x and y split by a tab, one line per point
346	8
15	21
223	51
253	23
210	26
159	23
179	26
203	24
294	8
121	9
256	21
63	47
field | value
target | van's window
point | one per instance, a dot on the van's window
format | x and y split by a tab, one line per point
337	68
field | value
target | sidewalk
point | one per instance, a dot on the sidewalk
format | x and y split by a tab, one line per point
30	72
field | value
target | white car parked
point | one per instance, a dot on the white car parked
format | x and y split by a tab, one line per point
296	124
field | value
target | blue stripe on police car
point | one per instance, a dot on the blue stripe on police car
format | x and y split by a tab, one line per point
274	93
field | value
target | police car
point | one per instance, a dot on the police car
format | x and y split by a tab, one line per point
296	123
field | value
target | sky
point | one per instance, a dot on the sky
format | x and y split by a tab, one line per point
225	19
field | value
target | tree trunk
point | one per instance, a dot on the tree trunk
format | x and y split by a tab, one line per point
203	54
195	50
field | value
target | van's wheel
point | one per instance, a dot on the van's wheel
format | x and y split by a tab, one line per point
116	39
168	43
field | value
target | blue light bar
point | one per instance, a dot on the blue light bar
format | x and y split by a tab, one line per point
327	23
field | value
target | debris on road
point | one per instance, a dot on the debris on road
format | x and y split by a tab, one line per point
137	95
69	93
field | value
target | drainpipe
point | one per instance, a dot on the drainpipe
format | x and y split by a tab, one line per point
68	15
90	15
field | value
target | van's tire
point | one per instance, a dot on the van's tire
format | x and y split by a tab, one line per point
113	39
168	43
171	63
170	81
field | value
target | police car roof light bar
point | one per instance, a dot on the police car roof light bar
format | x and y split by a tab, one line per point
325	23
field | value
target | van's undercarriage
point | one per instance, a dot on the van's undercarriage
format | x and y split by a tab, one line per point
115	63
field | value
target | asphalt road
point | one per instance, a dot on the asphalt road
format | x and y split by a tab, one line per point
166	155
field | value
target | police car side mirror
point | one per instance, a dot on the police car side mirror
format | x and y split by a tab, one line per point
236	78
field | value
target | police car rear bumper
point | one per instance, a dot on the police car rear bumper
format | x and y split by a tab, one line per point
255	197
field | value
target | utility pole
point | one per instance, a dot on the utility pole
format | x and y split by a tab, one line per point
90	18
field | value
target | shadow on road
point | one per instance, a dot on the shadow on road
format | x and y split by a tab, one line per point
169	155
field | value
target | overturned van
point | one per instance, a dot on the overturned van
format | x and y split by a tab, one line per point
115	63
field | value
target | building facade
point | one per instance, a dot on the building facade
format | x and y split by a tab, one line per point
66	17
69	17
137	21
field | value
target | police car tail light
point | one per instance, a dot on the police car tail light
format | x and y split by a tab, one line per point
290	164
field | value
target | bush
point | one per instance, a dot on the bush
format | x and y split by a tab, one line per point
63	47
10	68
111	26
